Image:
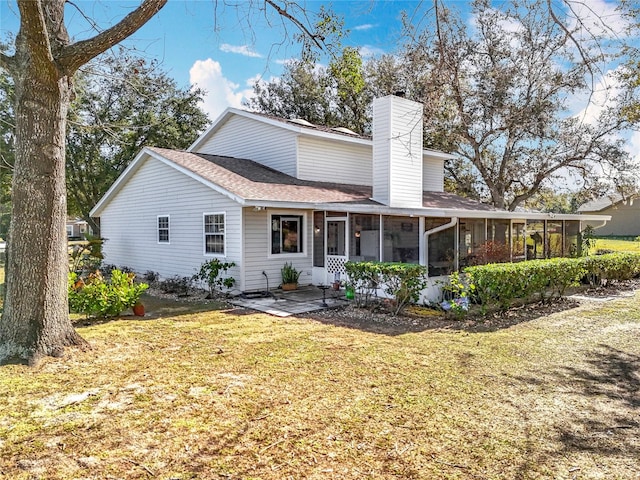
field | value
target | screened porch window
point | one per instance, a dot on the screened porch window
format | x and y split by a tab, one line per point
286	234
364	245
214	231
554	238
572	238
401	240
535	239
471	239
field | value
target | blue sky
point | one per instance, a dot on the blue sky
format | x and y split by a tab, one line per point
219	47
225	49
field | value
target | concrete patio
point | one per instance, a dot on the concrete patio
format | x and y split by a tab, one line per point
284	304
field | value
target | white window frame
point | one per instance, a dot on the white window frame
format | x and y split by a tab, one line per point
223	234
69	231
168	229
303	230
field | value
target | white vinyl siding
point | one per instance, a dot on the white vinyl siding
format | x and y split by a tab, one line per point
242	137
330	161
433	174
163	229
381	153
158	189
257	258
397	151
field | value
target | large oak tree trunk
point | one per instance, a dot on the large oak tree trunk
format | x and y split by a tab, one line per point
36	320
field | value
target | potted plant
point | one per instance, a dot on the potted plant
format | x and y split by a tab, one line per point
290	277
138	309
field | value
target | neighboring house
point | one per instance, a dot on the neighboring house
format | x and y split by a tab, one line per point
261	191
624	212
77	229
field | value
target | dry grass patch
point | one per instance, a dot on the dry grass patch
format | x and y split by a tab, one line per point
213	395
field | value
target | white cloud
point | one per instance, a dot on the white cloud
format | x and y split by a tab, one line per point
220	91
596	17
367	51
604	93
245	50
633	147
365	26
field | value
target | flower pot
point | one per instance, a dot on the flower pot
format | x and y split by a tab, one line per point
138	310
289	286
349	293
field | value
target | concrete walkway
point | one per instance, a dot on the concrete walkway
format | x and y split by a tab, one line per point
284	304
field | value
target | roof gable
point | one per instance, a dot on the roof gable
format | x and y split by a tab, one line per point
297	127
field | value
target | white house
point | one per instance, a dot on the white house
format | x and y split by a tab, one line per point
261	191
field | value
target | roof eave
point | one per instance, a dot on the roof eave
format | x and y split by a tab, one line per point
423	212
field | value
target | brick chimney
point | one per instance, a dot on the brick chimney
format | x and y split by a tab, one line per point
397	152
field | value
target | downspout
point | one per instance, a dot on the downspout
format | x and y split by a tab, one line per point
604	222
452	223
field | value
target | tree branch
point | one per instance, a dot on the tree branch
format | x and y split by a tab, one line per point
318	40
74	56
33	24
7	63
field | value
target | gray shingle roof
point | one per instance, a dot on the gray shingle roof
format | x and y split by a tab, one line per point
601	203
253	181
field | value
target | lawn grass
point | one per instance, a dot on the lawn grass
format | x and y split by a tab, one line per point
229	394
617	245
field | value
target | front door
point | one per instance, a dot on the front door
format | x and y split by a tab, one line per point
337	248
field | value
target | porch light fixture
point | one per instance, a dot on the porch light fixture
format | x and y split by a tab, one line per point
259	208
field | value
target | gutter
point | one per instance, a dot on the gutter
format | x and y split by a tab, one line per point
452	223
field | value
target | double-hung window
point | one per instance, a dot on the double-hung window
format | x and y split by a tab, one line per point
214	229
286	234
163	228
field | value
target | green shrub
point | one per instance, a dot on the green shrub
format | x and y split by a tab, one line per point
502	284
94	296
613	267
85	256
211	273
403	282
363	277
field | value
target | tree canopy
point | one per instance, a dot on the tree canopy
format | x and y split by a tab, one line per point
497	91
122	104
337	95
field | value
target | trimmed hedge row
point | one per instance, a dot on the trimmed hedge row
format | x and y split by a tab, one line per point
501	284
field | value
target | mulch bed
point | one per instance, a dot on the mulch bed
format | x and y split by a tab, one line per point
378	318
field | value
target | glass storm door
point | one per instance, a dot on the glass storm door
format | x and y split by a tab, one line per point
336	246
